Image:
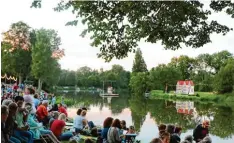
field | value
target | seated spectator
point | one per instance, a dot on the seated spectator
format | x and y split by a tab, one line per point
21	119
175	138
57	128
131	130
156	140
4	115
207	139
201	131
55	116
37	127
106	125
54	108
10	124
61	109
166	137
7	102
36	100
42	113
161	129
123	125
113	135
188	139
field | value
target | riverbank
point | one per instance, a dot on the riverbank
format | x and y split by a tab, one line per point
199	96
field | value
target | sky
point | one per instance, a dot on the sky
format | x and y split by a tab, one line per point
79	53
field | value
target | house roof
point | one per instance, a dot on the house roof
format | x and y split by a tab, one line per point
185	111
186	82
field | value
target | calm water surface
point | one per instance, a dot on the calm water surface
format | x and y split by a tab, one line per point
146	114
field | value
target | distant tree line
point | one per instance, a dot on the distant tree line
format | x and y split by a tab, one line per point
209	72
88	77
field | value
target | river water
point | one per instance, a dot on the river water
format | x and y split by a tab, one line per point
146	114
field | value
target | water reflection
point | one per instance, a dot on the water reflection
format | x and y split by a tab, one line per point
146	114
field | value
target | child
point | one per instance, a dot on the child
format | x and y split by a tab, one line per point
131	130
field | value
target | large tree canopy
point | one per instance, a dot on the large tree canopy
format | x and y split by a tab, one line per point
117	26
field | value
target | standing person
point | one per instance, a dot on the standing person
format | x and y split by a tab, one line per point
113	135
175	138
201	131
10	124
57	128
62	99
28	97
106	125
42	113
61	109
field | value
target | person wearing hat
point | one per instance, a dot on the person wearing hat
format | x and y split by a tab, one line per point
201	131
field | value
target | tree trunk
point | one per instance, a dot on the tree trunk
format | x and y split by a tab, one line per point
166	88
39	85
20	79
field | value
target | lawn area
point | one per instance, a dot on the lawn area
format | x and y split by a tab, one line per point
199	96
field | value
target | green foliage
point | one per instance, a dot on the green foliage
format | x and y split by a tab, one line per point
86	77
44	67
15	59
139	82
139	64
224	80
117	26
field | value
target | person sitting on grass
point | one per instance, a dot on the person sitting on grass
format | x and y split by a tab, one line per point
131	130
113	135
156	140
166	137
57	128
106	125
201	131
161	129
36	127
42	113
175	138
11	125
123	125
55	116
54	108
61	109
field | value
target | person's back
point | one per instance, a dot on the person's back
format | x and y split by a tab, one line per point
42	112
62	110
57	127
78	122
113	135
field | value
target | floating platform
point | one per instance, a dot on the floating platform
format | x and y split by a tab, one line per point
108	95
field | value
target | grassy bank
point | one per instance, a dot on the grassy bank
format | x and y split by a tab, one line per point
201	96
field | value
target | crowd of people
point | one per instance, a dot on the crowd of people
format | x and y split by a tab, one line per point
33	117
171	134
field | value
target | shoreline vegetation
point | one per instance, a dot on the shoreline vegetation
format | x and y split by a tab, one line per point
198	96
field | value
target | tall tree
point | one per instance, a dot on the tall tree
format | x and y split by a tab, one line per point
224	80
16	50
139	64
44	66
117	26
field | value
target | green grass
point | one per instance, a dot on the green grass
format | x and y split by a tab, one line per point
202	96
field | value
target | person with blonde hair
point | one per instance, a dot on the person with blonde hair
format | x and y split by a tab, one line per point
57	128
201	131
